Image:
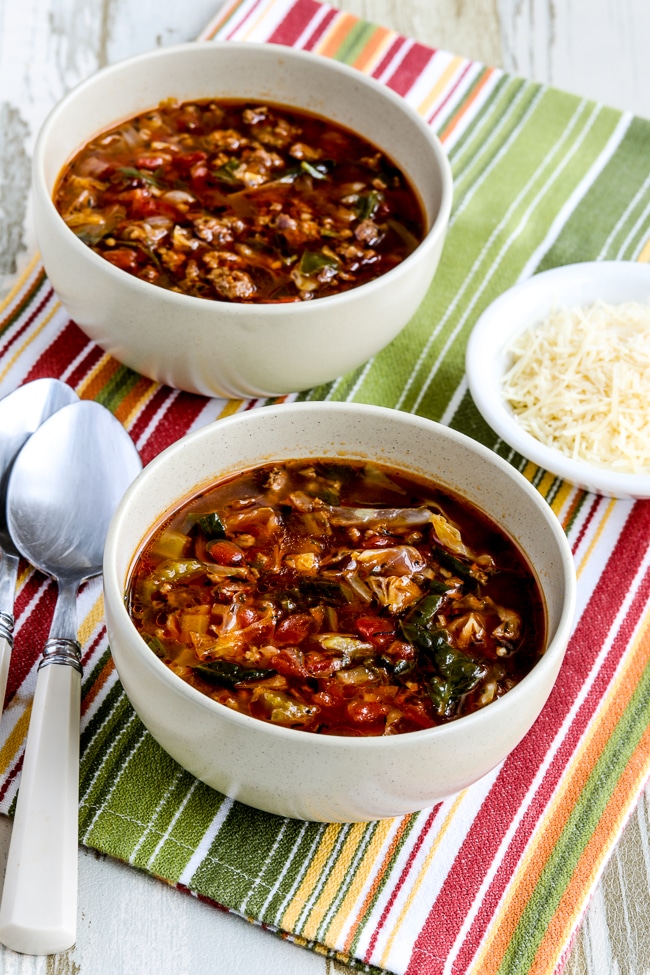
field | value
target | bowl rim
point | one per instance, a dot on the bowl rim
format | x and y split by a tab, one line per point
435	231
486	363
113	586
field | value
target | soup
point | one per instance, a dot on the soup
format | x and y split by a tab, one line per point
242	202
338	598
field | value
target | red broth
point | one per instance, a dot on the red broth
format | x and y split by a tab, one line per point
338	598
240	202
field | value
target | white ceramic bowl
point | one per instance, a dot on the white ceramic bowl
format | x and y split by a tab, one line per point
217	347
522	307
305	775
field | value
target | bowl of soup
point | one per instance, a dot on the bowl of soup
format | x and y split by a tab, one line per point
336	612
239	219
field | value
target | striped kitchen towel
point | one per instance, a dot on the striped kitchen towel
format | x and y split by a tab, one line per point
496	879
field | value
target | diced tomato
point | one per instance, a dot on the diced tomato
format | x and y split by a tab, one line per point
400	650
122	257
245	616
150	161
417	714
184	161
367	712
319	663
294	629
289	663
378	631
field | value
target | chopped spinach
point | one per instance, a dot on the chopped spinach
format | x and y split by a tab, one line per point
228	672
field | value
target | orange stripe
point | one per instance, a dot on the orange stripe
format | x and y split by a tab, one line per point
220	21
97	685
14	293
379	877
371	48
586	873
453	122
571	510
93	384
134	398
549	829
334	38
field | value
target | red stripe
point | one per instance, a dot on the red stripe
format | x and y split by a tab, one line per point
88	360
296	21
410	68
526	826
240	23
173	425
56	358
319	29
503	804
593	508
162	395
450	92
423	832
14	336
4	788
32	633
391	53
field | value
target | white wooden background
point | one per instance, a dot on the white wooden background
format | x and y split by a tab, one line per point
129	923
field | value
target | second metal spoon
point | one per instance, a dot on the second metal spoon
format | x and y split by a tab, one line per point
64	487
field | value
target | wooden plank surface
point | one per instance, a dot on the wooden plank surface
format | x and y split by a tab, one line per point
129	922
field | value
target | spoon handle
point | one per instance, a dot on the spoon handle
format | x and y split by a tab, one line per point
6	646
8	576
38	913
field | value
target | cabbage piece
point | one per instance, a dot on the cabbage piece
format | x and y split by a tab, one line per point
399	560
449	536
396	593
283	709
390	518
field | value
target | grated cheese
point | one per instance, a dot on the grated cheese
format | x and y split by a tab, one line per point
580	382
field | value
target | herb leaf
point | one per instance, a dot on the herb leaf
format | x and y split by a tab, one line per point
228	672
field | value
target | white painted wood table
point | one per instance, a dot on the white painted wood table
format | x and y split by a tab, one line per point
129	922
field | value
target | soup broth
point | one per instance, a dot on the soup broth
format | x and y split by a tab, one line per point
339	598
239	201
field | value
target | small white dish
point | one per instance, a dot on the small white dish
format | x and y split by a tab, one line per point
523	306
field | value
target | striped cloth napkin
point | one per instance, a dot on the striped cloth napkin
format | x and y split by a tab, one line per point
496	879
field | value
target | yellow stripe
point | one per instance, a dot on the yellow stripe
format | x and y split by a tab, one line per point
93	618
443	81
230	407
603	521
363	870
644	256
14	741
18	353
564	492
421	877
314	875
554	820
252	27
20	283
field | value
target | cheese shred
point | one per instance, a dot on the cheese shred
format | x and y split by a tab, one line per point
580	382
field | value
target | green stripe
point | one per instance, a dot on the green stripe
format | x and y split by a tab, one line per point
118	387
24	301
355	42
545	898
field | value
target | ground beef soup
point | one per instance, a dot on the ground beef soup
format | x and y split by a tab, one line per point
240	202
338	598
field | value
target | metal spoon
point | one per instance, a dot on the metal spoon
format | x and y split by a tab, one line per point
21	413
65	485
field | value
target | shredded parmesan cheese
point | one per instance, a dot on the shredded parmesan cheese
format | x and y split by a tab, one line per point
580	382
